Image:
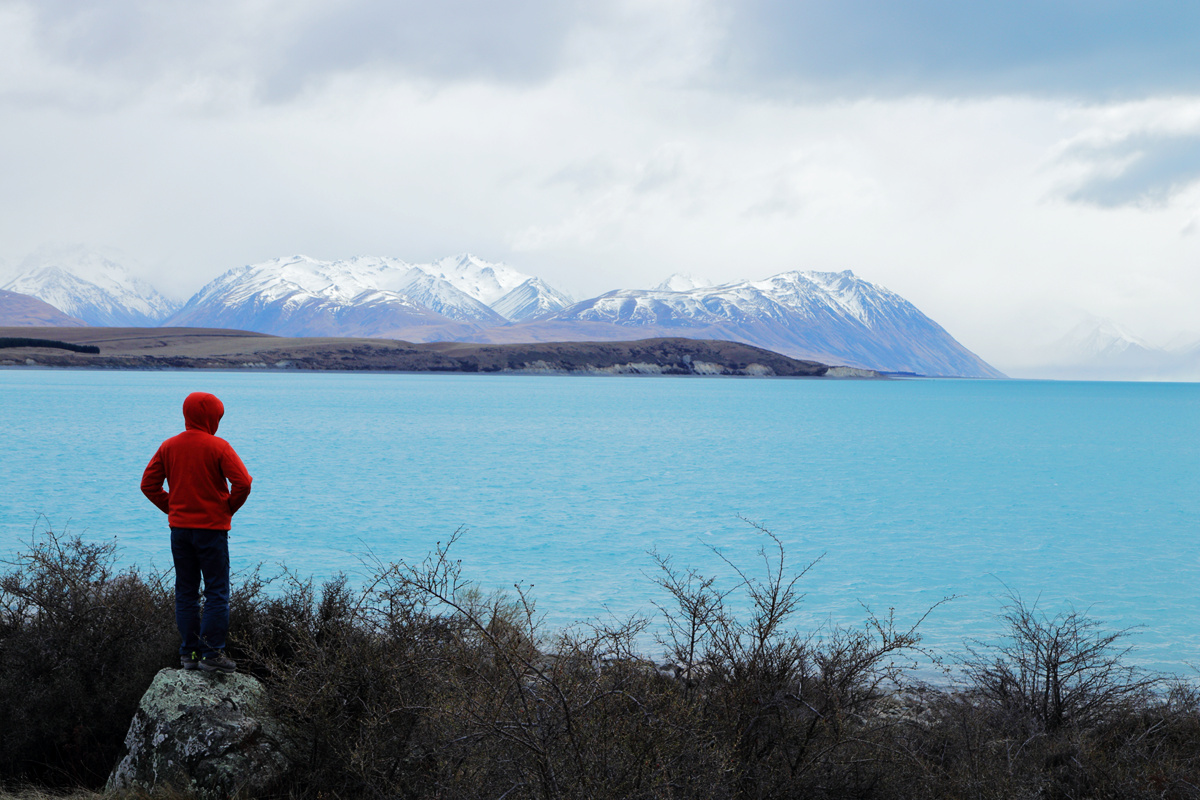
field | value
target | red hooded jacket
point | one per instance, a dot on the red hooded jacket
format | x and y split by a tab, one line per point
197	466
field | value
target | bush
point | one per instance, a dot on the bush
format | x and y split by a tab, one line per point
344	674
1053	709
794	708
417	684
1054	671
79	643
420	685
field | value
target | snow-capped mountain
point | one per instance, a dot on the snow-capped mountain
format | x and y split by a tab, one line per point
369	296
531	299
91	286
301	296
443	297
1100	339
832	317
1100	349
512	294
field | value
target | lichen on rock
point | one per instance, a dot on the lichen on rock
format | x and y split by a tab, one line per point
205	733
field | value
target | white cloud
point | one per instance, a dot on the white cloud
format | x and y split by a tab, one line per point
1139	154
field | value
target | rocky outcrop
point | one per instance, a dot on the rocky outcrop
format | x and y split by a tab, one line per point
203	733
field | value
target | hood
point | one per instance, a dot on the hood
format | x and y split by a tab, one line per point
202	412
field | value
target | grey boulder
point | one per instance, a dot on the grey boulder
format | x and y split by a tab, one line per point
204	733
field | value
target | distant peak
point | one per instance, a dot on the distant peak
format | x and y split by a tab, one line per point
682	282
821	275
1098	327
81	261
462	259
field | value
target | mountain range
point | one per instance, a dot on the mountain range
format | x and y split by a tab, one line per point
91	286
369	296
832	317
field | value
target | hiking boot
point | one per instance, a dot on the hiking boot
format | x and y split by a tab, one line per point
190	661
218	662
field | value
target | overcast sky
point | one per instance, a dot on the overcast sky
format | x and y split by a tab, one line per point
1009	167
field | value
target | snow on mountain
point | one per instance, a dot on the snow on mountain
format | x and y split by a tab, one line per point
514	295
532	299
91	286
1100	349
484	281
832	317
1183	342
1099	339
682	282
369	296
301	296
438	294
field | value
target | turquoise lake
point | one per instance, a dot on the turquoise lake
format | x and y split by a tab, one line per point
1085	494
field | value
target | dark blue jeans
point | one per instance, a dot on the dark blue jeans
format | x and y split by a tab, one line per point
200	553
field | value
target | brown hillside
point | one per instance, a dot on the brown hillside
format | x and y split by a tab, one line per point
199	348
21	310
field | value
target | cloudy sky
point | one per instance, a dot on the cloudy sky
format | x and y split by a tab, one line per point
1010	167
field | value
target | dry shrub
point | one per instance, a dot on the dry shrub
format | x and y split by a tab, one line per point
80	641
416	684
346	672
1053	709
794	708
1052	671
420	685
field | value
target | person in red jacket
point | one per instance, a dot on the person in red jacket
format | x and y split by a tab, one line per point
207	483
